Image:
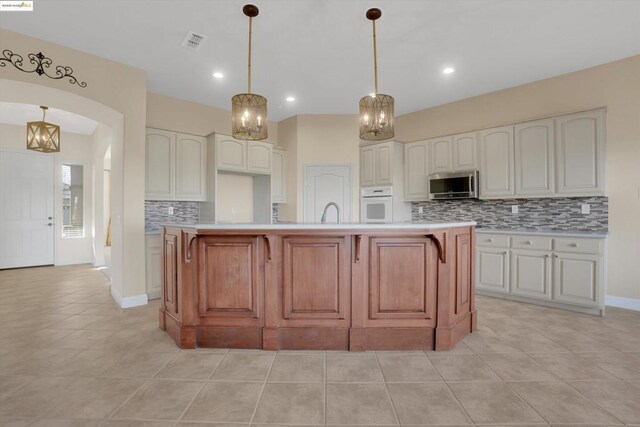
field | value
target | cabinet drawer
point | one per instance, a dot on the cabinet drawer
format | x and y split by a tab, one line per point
531	242
575	245
492	240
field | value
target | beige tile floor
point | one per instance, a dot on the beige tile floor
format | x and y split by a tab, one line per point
70	357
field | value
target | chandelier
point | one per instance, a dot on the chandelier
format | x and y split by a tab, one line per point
43	136
248	110
376	110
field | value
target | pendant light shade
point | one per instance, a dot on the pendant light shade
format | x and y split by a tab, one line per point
248	110
376	110
43	136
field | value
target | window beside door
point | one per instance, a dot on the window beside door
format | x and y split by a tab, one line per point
72	201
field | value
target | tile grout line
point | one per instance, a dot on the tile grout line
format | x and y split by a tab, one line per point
596	403
386	387
516	393
264	385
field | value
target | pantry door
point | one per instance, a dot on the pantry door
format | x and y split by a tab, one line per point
26	209
324	184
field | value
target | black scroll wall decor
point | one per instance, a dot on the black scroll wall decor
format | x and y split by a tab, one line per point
42	64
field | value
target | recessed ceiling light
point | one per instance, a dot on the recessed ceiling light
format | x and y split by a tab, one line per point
218	75
290	99
448	70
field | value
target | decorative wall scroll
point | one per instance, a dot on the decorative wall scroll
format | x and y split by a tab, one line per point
42	64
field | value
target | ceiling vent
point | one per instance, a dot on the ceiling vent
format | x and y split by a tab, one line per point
193	41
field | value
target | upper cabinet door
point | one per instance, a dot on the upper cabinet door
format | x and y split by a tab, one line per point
231	154
441	155
160	172
416	171
278	187
259	159
384	163
191	167
496	162
465	152
367	166
534	161
580	153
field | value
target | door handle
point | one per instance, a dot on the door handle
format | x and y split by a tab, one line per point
50	218
50	224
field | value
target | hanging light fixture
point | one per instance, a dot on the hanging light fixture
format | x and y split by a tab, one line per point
248	110
376	110
43	136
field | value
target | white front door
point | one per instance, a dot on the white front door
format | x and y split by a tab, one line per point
26	209
324	184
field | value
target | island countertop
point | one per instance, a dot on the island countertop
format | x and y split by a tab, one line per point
349	286
409	225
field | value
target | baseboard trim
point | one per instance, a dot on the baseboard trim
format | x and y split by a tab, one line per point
623	302
128	302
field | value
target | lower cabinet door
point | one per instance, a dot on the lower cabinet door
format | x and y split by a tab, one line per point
154	269
171	292
531	273
402	281
578	279
492	269
316	281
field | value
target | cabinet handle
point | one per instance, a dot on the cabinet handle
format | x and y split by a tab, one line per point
490	240
528	242
574	245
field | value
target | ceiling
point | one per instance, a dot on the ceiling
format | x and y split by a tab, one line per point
19	114
320	51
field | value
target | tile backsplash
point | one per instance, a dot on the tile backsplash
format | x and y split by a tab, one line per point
561	214
156	213
274	213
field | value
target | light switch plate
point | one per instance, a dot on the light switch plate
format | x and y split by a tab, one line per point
514	208
586	209
420	209
170	210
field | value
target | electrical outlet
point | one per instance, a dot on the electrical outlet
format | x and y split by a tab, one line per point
420	209
586	209
514	208
170	210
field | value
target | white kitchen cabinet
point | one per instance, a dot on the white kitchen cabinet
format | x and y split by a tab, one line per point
250	157
191	167
558	271
496	162
160	165
231	154
535	158
578	279
492	269
153	259
416	170
531	273
278	181
441	155
175	166
580	153
464	152
367	166
259	158
378	162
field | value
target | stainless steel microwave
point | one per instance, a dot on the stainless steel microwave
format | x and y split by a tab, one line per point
453	185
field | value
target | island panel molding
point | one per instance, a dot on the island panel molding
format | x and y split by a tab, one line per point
333	288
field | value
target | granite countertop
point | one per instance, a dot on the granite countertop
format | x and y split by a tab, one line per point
543	232
409	225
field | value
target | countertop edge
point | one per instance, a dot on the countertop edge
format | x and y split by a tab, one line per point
551	233
318	227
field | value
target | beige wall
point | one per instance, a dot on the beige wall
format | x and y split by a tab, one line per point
616	86
235	198
122	89
165	112
318	138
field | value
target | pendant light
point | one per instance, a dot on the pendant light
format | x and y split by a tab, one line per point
248	110
43	136
376	110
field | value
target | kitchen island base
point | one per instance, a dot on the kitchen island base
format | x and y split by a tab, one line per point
346	287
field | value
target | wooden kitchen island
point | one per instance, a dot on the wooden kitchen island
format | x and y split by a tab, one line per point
318	286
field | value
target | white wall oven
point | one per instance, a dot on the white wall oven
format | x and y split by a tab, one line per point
376	205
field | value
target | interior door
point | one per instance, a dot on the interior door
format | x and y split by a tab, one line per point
26	209
324	184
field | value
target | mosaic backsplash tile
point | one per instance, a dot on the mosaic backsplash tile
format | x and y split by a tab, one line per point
274	213
156	213
553	214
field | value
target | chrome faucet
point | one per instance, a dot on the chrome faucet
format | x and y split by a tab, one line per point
324	214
